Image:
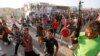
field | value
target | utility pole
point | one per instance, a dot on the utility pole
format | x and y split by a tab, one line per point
80	9
79	23
80	14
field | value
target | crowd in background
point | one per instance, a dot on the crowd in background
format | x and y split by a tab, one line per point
47	28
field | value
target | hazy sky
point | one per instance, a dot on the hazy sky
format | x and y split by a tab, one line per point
19	3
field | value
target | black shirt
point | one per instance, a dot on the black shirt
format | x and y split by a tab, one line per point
50	44
18	34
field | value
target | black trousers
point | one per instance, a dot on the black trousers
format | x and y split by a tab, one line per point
31	53
55	31
16	48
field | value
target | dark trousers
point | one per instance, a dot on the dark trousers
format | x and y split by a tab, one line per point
16	48
49	54
31	53
55	31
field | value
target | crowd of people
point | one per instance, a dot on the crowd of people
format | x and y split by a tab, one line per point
66	25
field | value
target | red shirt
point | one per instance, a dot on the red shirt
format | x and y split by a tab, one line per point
65	22
55	24
7	31
29	46
65	32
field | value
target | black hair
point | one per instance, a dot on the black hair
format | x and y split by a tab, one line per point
26	28
94	25
51	30
40	27
15	27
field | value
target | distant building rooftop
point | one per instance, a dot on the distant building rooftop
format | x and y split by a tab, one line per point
62	7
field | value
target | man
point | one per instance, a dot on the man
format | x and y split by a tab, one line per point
50	42
40	34
1	30
17	35
98	17
89	43
2	53
55	25
65	36
4	33
27	43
